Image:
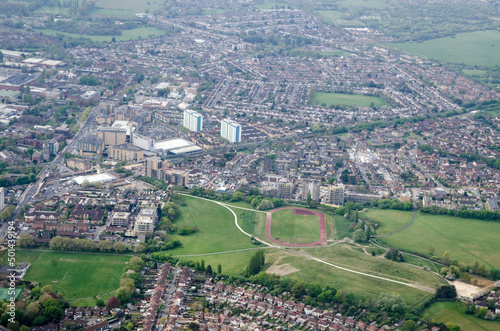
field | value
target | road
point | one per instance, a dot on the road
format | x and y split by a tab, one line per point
34	188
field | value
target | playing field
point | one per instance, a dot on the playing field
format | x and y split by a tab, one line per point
454	312
289	227
4	294
132	34
217	231
465	239
342	99
77	275
473	48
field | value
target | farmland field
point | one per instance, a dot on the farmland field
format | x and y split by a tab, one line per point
285	227
76	275
342	99
443	233
454	312
473	48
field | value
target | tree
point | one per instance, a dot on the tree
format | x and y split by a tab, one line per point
446	258
47	289
391	303
309	199
113	302
446	292
105	245
193	326
359	235
219	269
100	303
208	271
119	247
26	240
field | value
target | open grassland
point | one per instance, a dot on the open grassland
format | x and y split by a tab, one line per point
131	6
314	272
465	239
285	227
342	99
474	48
132	34
340	227
252	222
274	5
217	231
354	258
394	220
333	17
77	275
454	312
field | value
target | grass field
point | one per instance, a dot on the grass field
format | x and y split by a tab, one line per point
76	275
362	286
459	236
333	17
252	222
217	231
342	99
132	34
285	227
4	294
474	48
340	228
272	5
394	220
454	312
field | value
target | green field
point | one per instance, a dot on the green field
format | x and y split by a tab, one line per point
272	5
362	286
76	275
333	17
459	236
285	227
340	228
4	294
342	99
454	312
394	220
474	48
217	231
132	34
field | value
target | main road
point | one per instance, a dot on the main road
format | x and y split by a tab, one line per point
34	188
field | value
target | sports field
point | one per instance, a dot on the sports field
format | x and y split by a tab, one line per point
454	312
4	294
290	227
474	48
132	34
77	275
217	231
342	99
465	239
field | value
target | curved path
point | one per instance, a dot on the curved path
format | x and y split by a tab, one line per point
312	257
299	211
403	228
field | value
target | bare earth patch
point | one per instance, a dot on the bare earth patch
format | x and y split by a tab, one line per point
468	290
282	269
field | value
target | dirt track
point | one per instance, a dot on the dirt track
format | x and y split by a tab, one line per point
299	211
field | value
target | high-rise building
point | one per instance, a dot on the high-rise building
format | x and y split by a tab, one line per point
285	190
336	195
2	198
112	135
230	130
193	120
311	186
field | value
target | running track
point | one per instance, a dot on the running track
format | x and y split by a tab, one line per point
299	211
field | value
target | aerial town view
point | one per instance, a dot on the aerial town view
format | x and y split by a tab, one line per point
249	165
